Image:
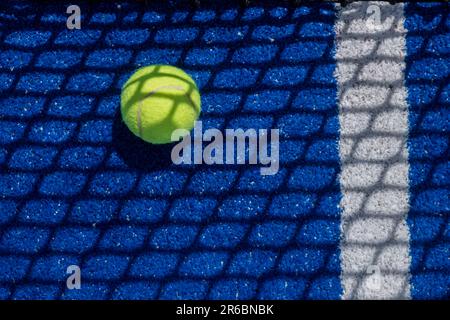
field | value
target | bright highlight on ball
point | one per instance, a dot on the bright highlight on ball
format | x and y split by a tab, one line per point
158	99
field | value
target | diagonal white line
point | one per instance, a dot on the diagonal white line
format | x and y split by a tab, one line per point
373	119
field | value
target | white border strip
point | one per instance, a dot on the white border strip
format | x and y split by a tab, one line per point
373	116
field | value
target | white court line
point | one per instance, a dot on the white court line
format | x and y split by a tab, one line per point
373	119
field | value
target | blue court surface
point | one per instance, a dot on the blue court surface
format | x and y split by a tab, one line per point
427	80
78	188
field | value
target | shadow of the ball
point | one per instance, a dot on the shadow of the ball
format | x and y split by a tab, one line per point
137	153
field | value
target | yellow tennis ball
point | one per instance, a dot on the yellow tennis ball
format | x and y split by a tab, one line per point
158	99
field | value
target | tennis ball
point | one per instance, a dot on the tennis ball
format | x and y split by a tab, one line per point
158	99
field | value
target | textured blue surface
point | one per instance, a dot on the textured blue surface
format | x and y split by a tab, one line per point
77	188
427	79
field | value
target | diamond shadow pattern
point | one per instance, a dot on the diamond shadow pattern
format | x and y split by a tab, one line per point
77	188
427	78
